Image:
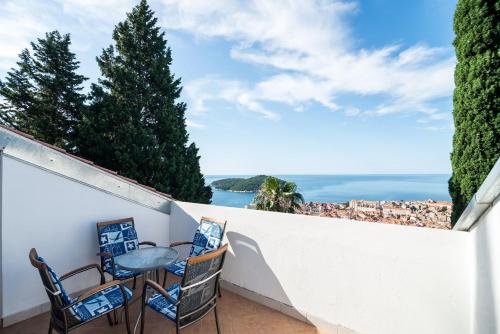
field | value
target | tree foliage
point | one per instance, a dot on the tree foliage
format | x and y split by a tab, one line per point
135	124
251	184
278	196
42	96
476	100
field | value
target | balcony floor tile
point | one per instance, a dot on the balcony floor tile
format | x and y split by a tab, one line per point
237	315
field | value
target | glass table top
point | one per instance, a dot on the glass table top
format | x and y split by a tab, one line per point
146	259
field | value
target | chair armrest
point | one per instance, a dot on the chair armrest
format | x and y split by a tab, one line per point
91	292
104	254
95	290
179	243
158	288
150	243
83	269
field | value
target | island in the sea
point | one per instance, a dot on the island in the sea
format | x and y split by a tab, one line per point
236	184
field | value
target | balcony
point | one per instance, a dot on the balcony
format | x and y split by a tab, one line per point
283	273
237	315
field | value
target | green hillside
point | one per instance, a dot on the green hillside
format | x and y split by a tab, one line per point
251	184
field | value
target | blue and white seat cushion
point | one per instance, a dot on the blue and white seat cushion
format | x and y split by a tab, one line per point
207	237
94	305
118	239
122	274
177	268
66	299
99	303
163	305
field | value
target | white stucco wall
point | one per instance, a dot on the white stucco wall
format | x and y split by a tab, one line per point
371	278
486	286
57	216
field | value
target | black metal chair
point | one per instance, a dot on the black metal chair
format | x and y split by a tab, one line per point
194	297
117	237
208	237
67	313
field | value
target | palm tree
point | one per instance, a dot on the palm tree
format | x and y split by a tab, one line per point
277	195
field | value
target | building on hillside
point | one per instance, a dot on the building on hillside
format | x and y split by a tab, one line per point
365	206
389	209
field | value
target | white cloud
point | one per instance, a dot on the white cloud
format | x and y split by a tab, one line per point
351	111
446	126
309	44
24	21
194	124
20	22
97	14
212	89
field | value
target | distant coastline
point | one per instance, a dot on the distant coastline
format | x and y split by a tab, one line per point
239	184
243	191
236	191
344	188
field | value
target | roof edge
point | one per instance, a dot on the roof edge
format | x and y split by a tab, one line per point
25	148
483	199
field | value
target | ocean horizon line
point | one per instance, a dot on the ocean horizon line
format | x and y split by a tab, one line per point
340	188
340	174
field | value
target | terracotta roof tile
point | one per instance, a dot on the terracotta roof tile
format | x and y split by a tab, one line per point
129	179
57	148
106	170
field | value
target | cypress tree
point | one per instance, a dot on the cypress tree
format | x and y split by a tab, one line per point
135	124
476	100
43	95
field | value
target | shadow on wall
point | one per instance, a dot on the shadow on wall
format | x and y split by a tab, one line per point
246	270
247	259
244	261
485	317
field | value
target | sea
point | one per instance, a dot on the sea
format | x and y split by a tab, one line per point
343	188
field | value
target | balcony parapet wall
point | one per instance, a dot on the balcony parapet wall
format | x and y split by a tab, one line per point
21	147
482	200
371	278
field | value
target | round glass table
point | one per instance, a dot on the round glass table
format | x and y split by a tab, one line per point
146	261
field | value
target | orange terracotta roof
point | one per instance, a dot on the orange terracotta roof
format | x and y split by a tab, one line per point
440	203
88	162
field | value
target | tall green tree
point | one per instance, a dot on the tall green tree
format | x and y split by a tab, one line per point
42	96
476	100
275	195
136	123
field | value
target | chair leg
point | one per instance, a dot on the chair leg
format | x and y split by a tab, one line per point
216	319
116	318
164	278
127	319
50	326
143	317
177	324
218	290
110	321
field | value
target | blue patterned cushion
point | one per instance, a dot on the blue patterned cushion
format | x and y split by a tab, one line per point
177	268
208	237
100	303
57	282
163	305
117	239
122	274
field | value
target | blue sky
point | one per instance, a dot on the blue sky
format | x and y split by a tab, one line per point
286	87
